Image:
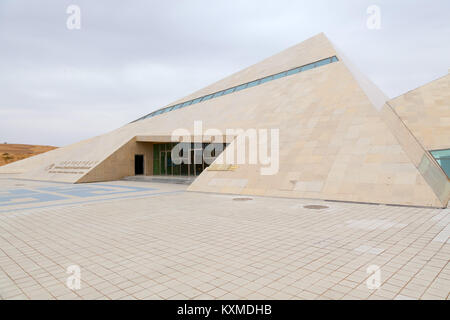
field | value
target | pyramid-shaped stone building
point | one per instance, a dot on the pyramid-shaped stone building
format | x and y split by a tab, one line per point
339	137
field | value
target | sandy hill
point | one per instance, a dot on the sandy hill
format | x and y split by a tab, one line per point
13	152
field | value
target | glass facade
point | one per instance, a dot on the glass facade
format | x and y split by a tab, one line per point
257	82
164	166
443	158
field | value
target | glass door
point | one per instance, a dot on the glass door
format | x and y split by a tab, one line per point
163	164
169	163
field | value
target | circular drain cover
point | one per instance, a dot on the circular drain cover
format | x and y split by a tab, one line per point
242	199
315	207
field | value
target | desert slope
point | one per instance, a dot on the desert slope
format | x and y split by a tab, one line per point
13	152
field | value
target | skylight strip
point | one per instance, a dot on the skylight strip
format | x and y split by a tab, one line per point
244	86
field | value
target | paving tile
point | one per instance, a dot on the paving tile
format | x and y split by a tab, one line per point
202	246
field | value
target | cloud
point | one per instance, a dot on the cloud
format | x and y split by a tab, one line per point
60	86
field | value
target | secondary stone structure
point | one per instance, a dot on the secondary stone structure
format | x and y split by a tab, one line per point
340	138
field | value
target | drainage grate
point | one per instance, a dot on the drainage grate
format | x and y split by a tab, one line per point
315	207
242	199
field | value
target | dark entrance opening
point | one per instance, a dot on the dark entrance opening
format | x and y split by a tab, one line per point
163	165
138	164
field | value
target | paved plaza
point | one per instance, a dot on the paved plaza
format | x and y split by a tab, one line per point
141	240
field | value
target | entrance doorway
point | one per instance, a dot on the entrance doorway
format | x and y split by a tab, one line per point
138	164
163	165
165	162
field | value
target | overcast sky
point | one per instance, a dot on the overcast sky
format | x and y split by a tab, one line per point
59	86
